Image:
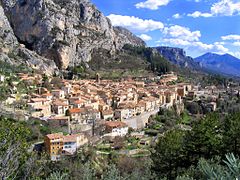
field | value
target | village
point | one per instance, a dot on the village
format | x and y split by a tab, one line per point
85	111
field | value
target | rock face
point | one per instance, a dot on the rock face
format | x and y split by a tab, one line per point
14	53
7	38
177	56
65	31
124	36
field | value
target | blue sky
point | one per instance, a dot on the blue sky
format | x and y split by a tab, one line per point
198	26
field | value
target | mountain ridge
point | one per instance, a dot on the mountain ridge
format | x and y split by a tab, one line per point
178	57
224	64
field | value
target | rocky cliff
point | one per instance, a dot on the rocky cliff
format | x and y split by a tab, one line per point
66	32
177	56
16	54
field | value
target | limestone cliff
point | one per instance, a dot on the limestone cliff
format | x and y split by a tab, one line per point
65	31
14	53
177	56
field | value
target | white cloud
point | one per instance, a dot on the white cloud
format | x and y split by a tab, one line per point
181	32
199	14
237	43
219	43
225	8
231	37
183	37
221	8
177	42
145	37
152	4
176	16
135	23
236	54
196	45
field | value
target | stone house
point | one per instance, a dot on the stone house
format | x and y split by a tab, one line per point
60	107
107	115
58	93
57	145
39	107
116	128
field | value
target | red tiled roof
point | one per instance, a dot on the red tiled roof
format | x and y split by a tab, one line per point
55	136
71	138
115	124
107	112
38	99
76	110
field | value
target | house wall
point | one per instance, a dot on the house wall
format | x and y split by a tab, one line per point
70	147
120	131
54	148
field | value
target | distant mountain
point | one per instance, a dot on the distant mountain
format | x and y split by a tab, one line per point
223	64
178	56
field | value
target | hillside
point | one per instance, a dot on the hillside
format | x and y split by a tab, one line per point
136	61
224	64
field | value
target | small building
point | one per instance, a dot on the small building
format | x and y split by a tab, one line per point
39	107
60	94
57	145
107	114
67	88
122	114
48	96
78	115
140	108
116	128
60	107
71	143
84	115
54	145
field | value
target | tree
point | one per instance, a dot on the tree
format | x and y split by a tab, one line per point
58	176
132	169
16	161
13	147
231	132
112	173
194	108
205	139
169	154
